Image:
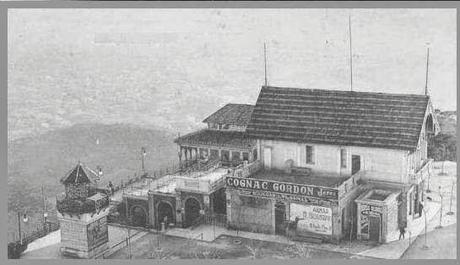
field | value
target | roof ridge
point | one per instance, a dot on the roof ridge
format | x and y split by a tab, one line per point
344	91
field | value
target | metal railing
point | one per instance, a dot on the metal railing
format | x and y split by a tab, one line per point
15	248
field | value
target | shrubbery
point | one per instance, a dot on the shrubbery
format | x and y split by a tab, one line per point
443	147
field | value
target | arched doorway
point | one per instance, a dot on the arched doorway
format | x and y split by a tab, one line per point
165	210
138	216
192	211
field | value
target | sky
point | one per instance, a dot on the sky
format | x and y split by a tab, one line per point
171	68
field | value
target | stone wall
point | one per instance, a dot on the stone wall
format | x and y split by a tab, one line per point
74	234
392	216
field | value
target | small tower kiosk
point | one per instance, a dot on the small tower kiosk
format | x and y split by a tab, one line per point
82	214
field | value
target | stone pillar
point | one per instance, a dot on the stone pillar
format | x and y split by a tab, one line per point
228	196
207	203
152	210
273	202
178	212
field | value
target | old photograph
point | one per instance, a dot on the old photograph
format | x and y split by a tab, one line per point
232	133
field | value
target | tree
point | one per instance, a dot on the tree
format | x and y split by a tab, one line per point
436	145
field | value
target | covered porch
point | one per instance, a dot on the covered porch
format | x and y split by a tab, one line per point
229	147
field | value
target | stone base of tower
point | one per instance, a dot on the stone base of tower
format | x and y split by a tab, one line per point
84	235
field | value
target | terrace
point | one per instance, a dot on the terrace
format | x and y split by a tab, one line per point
300	177
206	180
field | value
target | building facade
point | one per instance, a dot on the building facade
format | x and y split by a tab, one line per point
311	164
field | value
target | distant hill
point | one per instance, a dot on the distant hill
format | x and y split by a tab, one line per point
444	145
44	159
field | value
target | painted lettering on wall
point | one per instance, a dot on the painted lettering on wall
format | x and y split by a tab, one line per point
314	219
282	187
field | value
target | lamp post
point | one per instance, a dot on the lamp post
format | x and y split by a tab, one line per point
143	153
440	212
45	227
25	219
451	197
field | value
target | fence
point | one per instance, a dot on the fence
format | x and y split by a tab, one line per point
17	247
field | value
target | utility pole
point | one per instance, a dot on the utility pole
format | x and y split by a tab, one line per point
265	64
440	212
351	53
451	197
45	214
426	74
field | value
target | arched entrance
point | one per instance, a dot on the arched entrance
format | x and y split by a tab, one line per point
192	211
165	211
138	216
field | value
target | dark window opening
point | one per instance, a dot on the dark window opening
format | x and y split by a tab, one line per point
309	154
245	156
343	158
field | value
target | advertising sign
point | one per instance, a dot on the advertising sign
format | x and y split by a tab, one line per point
97	233
314	219
282	187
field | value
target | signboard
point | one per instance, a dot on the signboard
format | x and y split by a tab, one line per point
314	219
284	197
97	233
371	210
282	188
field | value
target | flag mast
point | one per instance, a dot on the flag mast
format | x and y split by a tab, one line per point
351	54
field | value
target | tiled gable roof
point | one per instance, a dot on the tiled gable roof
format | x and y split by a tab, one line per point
338	117
207	137
236	114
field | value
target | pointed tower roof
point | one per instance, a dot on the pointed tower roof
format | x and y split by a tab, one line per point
80	174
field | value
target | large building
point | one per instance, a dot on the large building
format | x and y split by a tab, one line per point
311	164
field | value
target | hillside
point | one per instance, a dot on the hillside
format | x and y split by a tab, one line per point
44	159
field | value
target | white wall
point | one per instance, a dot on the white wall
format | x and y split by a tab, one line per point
393	163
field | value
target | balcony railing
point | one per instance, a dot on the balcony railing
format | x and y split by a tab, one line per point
207	186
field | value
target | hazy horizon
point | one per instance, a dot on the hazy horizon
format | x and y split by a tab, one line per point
170	68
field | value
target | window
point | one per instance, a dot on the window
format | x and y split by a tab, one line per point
343	158
255	154
235	156
309	154
245	156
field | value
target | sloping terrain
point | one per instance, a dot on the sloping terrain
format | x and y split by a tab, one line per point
44	159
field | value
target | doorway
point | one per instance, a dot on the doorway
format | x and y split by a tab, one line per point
355	164
165	213
280	218
139	216
374	228
267	157
192	211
